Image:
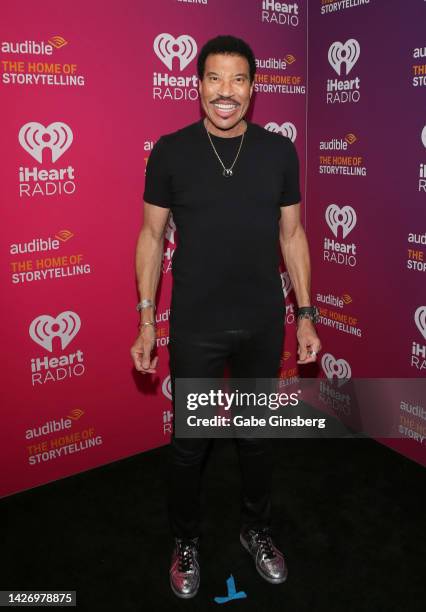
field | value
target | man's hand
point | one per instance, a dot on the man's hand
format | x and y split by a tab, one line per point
142	349
309	343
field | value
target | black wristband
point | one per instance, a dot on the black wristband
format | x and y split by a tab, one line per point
308	312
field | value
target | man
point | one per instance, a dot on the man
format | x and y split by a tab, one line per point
234	193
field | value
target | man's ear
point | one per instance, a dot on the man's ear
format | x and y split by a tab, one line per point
251	89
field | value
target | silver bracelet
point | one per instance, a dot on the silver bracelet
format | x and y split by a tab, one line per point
145	304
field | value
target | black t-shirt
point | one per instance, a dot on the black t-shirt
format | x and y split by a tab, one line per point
226	264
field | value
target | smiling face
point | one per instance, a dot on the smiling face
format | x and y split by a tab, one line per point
225	93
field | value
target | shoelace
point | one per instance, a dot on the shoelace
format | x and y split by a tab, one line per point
185	555
265	544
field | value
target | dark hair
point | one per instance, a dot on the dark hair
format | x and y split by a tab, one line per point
229	45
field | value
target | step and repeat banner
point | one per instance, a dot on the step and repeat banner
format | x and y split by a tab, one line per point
366	201
85	94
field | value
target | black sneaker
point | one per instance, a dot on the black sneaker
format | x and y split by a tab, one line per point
268	559
185	569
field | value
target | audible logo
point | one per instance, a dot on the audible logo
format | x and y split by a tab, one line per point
268	80
55	425
337	144
333	300
169	49
58	42
47	428
34	138
76	414
43	330
415	255
38	70
65	441
162	334
339	55
343	165
41	244
340	321
31	47
417	238
40	264
419	70
275	63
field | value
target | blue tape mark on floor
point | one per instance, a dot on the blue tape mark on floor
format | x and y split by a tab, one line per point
232	592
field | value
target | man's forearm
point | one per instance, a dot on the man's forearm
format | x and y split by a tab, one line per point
295	253
149	254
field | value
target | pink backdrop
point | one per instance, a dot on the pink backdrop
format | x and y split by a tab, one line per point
81	113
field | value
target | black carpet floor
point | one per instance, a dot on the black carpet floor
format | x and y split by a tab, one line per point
349	515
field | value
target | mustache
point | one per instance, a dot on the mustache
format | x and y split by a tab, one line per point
225	100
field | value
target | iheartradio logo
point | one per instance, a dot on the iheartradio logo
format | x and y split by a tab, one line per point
45	328
344	53
420	320
338	368
286	129
344	217
424	136
286	283
166	387
167	47
34	137
170	229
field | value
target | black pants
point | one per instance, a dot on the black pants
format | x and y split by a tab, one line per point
248	354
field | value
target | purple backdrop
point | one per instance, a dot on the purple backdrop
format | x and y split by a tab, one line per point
367	194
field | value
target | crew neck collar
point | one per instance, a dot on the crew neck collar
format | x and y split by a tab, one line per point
224	137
